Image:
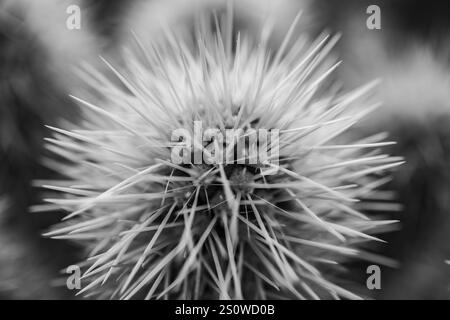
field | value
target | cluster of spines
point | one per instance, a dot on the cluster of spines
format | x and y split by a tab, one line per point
155	229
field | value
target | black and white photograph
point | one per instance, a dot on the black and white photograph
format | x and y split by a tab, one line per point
252	150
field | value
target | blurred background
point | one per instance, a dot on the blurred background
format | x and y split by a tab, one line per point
410	54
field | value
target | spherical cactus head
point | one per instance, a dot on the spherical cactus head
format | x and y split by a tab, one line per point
211	167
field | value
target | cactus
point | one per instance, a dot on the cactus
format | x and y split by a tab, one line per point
272	228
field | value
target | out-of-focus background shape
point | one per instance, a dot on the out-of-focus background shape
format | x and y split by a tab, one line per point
410	54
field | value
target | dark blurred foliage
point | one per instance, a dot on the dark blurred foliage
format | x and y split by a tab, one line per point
427	20
29	98
107	16
423	187
419	18
403	21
